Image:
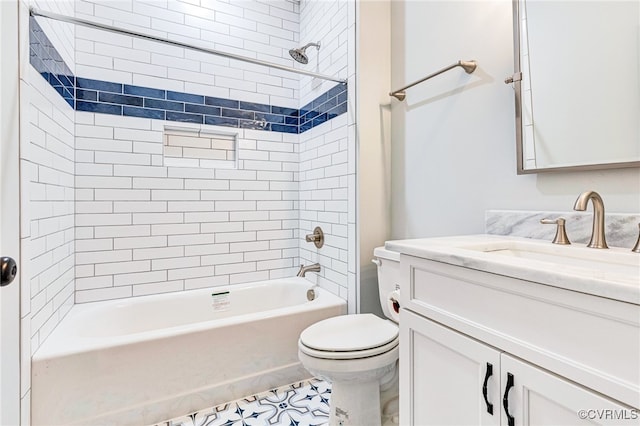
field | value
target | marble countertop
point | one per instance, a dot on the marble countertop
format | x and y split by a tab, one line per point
612	273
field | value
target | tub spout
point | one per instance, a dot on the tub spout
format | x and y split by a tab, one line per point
310	268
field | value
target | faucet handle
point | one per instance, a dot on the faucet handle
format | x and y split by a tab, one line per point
636	248
561	233
316	238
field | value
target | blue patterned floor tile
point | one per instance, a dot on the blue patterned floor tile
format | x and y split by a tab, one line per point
301	404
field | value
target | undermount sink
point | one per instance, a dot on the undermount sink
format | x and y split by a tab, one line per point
612	273
609	260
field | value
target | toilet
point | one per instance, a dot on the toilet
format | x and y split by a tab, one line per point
358	355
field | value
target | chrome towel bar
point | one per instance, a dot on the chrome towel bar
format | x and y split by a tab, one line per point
468	66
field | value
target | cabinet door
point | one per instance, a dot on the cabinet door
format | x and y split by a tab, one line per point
541	398
442	373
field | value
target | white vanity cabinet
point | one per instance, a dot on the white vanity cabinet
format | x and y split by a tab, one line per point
573	358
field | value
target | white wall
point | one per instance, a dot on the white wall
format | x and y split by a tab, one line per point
374	142
454	136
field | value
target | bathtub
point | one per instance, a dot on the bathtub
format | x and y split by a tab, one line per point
146	359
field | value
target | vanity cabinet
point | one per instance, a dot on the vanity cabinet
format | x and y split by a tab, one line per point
451	379
467	335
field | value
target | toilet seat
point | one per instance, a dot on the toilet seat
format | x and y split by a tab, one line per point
345	355
349	337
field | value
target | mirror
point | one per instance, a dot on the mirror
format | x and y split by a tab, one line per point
577	84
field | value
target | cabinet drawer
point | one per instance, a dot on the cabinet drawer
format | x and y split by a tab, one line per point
591	340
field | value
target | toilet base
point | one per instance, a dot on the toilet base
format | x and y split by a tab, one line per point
362	398
355	404
390	398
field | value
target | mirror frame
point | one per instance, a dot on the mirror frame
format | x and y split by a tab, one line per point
515	80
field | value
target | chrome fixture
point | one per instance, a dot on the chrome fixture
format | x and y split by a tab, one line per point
131	33
299	54
310	268
311	293
316	238
255	124
561	233
467	66
636	248
597	234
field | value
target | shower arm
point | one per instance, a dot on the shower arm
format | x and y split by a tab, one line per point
316	45
468	66
90	24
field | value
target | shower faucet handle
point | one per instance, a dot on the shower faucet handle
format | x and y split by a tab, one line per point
561	233
316	238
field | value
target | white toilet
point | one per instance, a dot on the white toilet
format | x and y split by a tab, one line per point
358	355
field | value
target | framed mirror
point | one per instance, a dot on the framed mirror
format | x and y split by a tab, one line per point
577	84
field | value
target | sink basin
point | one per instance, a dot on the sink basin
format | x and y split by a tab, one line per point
606	260
613	273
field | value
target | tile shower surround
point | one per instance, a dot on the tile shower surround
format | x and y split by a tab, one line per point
100	97
106	97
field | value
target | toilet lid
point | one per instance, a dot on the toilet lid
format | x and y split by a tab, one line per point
349	333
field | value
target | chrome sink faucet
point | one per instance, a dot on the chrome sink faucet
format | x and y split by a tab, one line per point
309	268
597	234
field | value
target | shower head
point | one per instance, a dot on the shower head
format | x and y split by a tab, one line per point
300	56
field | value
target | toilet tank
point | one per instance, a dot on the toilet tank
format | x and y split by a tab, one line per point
388	263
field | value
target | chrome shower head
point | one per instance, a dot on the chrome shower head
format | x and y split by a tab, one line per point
299	54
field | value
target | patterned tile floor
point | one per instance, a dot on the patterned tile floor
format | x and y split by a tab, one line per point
300	404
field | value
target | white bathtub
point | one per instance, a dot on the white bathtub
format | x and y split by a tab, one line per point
146	359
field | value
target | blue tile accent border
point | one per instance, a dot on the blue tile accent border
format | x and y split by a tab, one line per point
105	97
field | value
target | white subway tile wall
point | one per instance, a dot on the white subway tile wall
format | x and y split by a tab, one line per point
323	201
47	210
46	194
328	22
327	152
189	148
61	35
146	225
145	228
264	30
